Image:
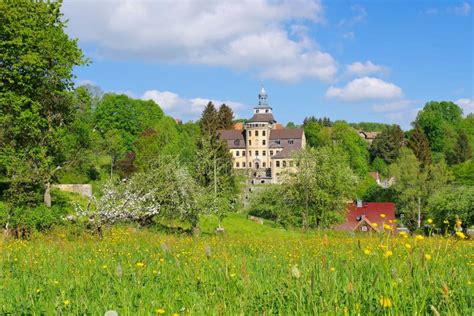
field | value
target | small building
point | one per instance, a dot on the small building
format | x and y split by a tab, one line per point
368	136
371	216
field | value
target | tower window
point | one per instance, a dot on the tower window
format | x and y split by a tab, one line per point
266	111
264	152
257	111
250	142
264	164
243	153
250	153
250	165
250	133
263	133
243	164
271	152
237	164
256	133
237	153
278	163
256	153
264	142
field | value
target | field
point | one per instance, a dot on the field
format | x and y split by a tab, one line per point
253	269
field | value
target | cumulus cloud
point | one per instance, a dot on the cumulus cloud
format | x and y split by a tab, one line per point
365	88
184	108
466	104
256	35
364	69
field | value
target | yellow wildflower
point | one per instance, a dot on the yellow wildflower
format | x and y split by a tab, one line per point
446	221
175	314
160	311
386	226
375	225
66	302
388	253
408	246
419	237
38	290
382	215
332	269
460	235
427	256
385	302
367	251
140	264
430	221
104	266
162	260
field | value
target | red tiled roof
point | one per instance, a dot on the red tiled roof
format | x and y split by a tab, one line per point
286	133
372	212
375	175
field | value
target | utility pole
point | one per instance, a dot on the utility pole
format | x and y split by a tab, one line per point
215	190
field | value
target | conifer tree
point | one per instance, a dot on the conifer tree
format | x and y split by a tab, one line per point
462	149
421	147
225	117
209	120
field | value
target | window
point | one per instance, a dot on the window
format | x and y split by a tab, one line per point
256	133
250	133
250	153
250	165
243	153
256	153
237	142
237	153
250	142
266	111
243	164
271	152
278	163
264	133
277	141
237	164
264	152
264	164
284	163
257	111
291	163
290	141
264	142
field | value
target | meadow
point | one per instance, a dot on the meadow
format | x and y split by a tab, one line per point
251	270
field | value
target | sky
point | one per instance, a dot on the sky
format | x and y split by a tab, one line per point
377	61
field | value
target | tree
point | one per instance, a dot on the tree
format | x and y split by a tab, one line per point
387	144
452	203
414	185
379	165
420	146
209	122
464	173
291	125
439	121
312	133
37	59
462	149
225	117
321	186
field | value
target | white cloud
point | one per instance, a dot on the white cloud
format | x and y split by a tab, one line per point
404	117
183	108
364	69
253	35
466	104
462	9
392	106
364	89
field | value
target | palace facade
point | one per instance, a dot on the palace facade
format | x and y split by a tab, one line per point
263	147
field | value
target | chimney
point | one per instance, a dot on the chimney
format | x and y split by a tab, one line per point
359	203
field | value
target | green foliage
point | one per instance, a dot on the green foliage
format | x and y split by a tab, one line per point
462	149
320	188
268	204
209	122
363	185
225	117
387	144
414	185
312	132
379	165
439	121
464	173
369	126
291	125
376	193
451	203
420	146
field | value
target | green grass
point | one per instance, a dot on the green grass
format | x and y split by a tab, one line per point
251	269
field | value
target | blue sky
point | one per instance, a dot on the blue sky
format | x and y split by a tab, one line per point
358	61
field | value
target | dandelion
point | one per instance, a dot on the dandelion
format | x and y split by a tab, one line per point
66	302
160	311
430	221
38	290
388	253
162	260
427	256
385	302
382	215
419	237
367	251
446	221
404	234
408	246
375	225
460	235
140	264
175	314
232	275
104	266
332	269
386	226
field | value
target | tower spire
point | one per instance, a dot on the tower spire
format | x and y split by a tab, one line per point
262	97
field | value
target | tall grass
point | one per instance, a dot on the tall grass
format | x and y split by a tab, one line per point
140	272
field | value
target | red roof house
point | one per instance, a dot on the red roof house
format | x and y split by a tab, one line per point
370	216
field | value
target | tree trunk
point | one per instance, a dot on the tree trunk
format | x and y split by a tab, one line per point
47	194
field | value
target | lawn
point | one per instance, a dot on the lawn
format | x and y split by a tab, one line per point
252	269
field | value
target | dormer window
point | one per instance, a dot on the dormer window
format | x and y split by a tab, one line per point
257	111
277	141
237	142
291	141
266	111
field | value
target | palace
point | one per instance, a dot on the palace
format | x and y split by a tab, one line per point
262	146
